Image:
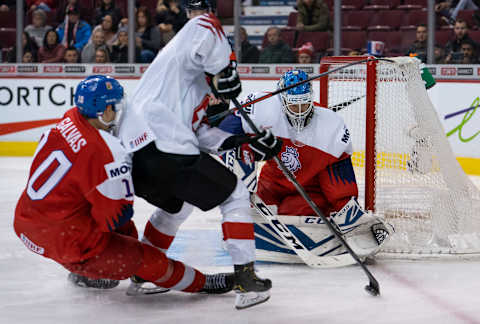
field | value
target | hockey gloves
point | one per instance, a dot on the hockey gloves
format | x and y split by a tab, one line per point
214	113
228	83
261	147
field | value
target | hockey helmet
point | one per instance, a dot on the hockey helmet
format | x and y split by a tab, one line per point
199	5
297	102
95	93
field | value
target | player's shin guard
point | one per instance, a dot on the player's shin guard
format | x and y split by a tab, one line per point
167	273
163	226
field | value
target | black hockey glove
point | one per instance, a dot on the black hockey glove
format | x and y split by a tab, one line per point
228	83
261	147
214	116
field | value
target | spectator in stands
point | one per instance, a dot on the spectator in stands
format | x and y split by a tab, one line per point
51	51
443	9
305	53
469	51
97	41
148	36
71	55
39	27
27	57
29	45
439	54
102	56
448	10
120	48
109	28
277	51
464	5
166	29
61	12
6	5
454	45
74	31
249	52
419	46
171	10
467	54
107	7
46	5
313	15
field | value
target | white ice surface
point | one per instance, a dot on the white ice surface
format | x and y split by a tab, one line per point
35	290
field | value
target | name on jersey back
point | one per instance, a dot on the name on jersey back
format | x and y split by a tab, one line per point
71	134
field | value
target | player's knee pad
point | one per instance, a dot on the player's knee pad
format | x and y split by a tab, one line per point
239	198
169	223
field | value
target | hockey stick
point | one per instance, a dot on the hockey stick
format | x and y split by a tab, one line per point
345	104
274	93
373	288
335	108
295	244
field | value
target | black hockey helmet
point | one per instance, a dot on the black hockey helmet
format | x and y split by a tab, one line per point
200	5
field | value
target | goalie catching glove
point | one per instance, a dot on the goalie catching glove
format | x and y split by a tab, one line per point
260	147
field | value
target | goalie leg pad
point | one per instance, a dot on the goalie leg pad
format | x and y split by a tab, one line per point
364	232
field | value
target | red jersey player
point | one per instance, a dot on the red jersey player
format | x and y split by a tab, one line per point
77	205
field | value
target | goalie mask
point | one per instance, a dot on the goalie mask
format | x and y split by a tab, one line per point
297	103
95	93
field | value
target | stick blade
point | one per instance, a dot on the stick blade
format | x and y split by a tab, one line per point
373	288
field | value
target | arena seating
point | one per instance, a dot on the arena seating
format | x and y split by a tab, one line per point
391	21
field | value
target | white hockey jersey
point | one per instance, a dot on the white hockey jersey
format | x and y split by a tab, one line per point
326	132
170	100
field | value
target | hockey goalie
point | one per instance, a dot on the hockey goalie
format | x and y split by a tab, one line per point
316	149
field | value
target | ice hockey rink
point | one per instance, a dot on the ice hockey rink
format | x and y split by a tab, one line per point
35	290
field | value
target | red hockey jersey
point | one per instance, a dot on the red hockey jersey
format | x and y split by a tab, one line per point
79	187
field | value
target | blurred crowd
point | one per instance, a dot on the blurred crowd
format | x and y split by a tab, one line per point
78	36
65	31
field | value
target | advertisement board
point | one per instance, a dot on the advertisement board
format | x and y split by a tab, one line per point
30	105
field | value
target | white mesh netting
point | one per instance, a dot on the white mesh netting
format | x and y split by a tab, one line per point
419	186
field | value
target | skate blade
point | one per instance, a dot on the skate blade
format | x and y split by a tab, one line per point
136	289
252	298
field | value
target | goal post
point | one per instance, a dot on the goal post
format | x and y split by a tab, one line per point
405	168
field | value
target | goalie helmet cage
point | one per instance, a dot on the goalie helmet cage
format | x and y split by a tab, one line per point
405	168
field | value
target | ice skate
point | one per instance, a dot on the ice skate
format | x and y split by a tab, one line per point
250	289
82	281
138	286
218	283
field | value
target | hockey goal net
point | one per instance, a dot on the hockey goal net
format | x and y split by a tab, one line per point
405	168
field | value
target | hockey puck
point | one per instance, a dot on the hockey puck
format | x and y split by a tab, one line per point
372	290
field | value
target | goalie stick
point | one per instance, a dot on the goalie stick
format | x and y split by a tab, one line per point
373	287
295	244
